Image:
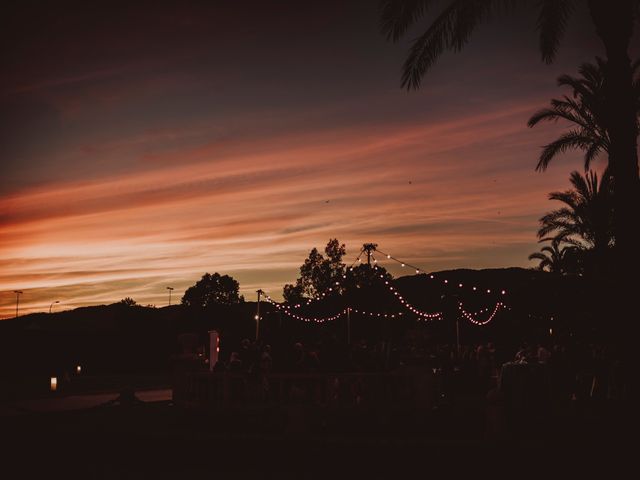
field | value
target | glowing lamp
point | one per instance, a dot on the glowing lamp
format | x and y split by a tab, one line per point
53	384
214	348
78	369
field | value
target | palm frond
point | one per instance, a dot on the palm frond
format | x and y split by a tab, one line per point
397	16
451	30
592	153
566	141
552	23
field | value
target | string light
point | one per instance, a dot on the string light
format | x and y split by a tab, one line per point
426	315
376	314
418	270
287	311
472	317
411	308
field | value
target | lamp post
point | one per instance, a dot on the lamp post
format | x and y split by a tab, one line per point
257	317
57	301
170	290
18	293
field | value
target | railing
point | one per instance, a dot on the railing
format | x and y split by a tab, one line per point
199	389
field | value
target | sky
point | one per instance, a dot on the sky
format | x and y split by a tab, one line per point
146	143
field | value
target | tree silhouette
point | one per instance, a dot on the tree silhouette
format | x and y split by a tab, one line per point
614	23
364	275
128	302
585	220
213	289
556	259
318	274
585	110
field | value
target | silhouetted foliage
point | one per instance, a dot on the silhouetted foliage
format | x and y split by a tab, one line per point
585	109
129	302
586	218
452	27
364	276
318	273
557	258
213	289
584	223
614	23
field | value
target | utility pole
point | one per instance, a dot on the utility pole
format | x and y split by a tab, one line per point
257	317
18	293
170	290
369	248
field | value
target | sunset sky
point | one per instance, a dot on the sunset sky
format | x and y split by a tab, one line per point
145	145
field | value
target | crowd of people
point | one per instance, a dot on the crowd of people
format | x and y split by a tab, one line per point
570	370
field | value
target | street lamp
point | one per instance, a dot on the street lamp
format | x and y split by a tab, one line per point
18	293
257	317
57	301
170	290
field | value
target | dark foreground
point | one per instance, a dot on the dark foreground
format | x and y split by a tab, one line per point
157	440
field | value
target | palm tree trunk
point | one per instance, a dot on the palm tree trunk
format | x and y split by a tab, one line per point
614	24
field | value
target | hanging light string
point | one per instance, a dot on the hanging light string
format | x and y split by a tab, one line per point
470	316
473	316
303	318
403	264
358	259
421	314
376	314
337	284
431	276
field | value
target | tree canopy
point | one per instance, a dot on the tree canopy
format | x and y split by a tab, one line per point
213	289
128	302
318	273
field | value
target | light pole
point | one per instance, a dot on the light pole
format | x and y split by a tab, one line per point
257	317
18	293
170	290
57	301
348	326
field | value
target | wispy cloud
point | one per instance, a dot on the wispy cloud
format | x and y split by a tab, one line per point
448	194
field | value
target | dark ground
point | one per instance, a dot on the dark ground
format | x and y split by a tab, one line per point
162	441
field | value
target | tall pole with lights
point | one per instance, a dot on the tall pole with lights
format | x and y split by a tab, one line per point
257	317
170	290
369	248
18	293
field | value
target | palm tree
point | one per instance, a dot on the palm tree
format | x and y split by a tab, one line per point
553	258
614	23
584	108
585	220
